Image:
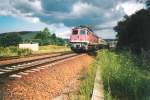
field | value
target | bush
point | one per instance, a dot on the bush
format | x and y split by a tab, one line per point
9	39
8	51
144	60
122	77
24	52
13	51
133	31
46	38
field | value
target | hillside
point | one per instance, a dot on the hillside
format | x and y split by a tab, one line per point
44	37
26	35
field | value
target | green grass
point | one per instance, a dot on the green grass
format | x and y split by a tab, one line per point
52	48
123	77
13	51
88	84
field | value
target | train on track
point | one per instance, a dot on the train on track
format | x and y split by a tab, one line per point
84	39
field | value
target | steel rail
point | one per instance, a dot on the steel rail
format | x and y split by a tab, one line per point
14	69
26	60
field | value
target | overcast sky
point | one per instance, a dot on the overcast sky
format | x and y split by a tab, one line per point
60	16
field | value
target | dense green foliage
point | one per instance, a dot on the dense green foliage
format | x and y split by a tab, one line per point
10	39
125	78
134	32
42	37
27	36
13	51
46	38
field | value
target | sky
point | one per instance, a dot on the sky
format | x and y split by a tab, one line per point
60	16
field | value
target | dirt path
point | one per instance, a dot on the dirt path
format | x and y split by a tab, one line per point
46	83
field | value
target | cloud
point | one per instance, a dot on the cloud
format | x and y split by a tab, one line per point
34	20
26	6
81	9
69	13
60	29
130	7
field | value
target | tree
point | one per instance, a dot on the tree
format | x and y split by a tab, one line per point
46	38
45	34
43	37
134	32
10	39
53	36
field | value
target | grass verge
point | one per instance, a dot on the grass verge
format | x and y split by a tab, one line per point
88	84
52	48
14	51
123	77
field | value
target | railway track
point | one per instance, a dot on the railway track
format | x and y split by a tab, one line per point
33	55
12	68
15	61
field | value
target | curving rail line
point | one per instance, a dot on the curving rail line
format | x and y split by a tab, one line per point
15	66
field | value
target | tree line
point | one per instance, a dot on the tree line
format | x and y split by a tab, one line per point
44	37
134	32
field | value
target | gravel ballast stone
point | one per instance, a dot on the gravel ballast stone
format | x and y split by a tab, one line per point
47	83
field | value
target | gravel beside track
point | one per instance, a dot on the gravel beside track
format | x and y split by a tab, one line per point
45	83
10	69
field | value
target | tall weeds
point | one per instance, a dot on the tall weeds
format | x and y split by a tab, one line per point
13	51
122	76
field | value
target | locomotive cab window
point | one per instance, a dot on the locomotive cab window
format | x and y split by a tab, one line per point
75	32
82	32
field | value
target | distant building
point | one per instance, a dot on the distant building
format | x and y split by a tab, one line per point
33	47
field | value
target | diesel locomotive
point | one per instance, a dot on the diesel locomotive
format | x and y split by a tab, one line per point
84	39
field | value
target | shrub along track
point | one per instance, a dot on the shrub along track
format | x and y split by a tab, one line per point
45	82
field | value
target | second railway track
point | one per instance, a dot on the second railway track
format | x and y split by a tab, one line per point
17	67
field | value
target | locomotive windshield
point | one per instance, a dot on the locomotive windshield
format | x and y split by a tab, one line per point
82	32
75	32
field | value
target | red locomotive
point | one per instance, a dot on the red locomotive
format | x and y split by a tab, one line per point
84	39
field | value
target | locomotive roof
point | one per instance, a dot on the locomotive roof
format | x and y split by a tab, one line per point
83	27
